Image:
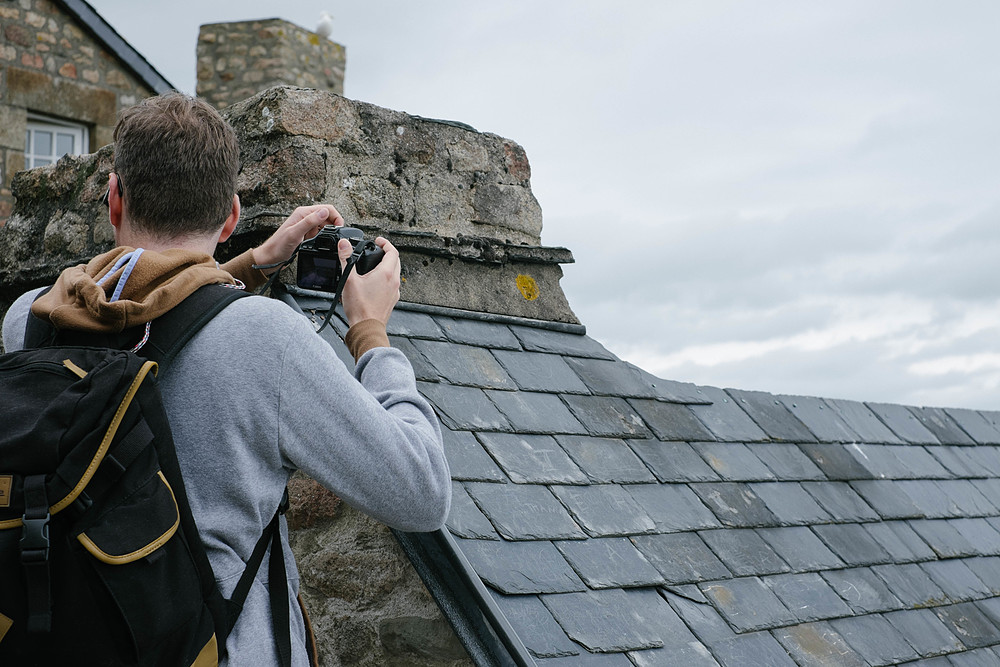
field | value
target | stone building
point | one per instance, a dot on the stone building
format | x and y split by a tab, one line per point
64	75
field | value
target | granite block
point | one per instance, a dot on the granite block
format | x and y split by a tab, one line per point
862	590
790	503
735	504
800	548
673	461
519	568
734	462
670	421
534	459
726	419
744	552
605	510
530	412
606	460
468	460
524	512
672	507
610	563
681	557
748	604
607	416
534	371
771	416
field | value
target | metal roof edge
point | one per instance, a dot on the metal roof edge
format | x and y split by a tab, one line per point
106	34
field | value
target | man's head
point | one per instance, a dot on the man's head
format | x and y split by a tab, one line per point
177	161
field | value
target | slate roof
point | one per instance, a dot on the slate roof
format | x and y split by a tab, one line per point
616	518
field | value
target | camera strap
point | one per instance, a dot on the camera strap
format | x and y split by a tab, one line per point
359	250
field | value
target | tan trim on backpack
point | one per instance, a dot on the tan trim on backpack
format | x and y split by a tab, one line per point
5	625
108	437
77	371
209	655
122	559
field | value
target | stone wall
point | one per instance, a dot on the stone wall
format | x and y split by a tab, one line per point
51	65
457	203
236	60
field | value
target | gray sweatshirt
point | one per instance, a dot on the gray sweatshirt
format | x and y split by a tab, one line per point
257	394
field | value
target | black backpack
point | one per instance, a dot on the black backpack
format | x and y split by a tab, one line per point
100	559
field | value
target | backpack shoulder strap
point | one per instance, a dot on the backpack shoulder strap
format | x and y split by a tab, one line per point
171	331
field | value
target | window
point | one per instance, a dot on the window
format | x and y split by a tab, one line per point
47	139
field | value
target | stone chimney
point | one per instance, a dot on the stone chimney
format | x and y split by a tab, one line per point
237	60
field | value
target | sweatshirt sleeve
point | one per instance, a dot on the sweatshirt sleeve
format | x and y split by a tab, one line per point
241	268
371	439
16	319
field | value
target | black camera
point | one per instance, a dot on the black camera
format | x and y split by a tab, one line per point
319	263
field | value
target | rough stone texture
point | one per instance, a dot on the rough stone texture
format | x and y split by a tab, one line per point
50	65
235	60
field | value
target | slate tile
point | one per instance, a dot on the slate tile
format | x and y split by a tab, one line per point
704	621
771	416
818	644
422	369
744	552
681	557
726	419
987	569
888	498
534	371
530	412
862	590
588	659
607	416
976	425
478	333
465	519
617	620
911	585
991	608
971	625
694	655
545	340
918	462
852	543
955	461
464	364
467	459
864	422
932	502
687	591
984	458
733	461
336	341
464	408
875	639
790	503
755	648
990	488
673	461
943	538
800	548
735	504
836	461
955	578
822	420
672	507
610	563
413	325
521	567
534	459
748	604
840	501
671	422
975	658
605	460
535	626
903	423
902	543
968	499
605	510
612	378
944	428
807	596
787	461
672	391
524	512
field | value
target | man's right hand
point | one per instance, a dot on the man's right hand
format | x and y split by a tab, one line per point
374	294
304	223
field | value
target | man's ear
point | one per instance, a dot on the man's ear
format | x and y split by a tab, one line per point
114	201
231	221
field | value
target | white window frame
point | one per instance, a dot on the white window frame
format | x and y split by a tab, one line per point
55	127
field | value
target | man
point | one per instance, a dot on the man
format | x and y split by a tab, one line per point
256	393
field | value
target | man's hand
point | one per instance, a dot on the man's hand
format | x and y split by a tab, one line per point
373	295
304	223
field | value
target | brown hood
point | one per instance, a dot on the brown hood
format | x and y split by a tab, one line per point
158	282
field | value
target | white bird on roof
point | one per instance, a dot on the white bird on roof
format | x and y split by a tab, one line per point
325	27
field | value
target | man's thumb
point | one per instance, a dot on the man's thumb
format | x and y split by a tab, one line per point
344	250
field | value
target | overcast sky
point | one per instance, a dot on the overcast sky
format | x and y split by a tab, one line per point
795	197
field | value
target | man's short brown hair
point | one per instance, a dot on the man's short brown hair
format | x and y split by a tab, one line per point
177	160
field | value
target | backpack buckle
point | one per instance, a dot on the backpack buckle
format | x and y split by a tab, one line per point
35	540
